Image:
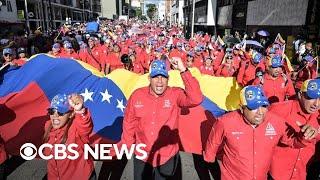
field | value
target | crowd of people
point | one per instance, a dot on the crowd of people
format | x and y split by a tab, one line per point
273	134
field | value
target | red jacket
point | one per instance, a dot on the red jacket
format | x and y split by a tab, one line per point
153	120
20	61
289	163
114	61
276	90
137	68
207	70
225	71
78	133
247	72
95	58
236	61
73	55
246	151
198	60
178	53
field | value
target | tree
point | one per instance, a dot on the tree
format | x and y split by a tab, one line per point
138	12
152	10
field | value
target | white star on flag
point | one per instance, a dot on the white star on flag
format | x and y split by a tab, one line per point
120	104
106	96
87	95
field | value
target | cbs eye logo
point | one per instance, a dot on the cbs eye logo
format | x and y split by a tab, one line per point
28	151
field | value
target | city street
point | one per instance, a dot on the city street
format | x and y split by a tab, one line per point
36	169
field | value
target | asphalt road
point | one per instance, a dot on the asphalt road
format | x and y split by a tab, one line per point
36	169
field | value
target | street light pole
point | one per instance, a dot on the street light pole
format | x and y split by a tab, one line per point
83	15
27	16
192	23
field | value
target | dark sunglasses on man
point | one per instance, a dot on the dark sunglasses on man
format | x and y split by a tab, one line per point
6	55
52	111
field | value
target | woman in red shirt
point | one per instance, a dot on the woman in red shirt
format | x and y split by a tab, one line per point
207	67
136	65
227	68
70	123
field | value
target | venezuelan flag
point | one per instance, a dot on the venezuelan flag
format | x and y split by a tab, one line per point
25	94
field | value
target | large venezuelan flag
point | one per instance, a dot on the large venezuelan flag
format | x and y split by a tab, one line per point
25	94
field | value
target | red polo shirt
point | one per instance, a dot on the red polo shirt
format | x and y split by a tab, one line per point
78	133
289	163
246	151
276	89
153	120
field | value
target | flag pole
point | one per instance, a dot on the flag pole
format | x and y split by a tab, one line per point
3	66
192	22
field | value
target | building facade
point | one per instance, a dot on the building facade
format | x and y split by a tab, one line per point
204	16
288	17
48	14
177	12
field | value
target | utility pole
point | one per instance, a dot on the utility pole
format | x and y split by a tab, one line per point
83	15
27	16
90	1
51	15
192	23
44	15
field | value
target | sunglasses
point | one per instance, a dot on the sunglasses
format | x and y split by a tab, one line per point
52	111
6	55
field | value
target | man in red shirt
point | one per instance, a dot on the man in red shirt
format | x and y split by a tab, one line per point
275	83
113	60
289	163
249	136
248	70
94	56
151	118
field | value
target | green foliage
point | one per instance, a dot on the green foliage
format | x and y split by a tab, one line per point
152	10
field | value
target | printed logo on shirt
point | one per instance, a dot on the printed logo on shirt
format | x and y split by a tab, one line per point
138	104
270	131
237	133
167	103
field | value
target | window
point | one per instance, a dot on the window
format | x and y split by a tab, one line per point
9	7
3	2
